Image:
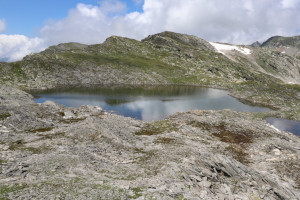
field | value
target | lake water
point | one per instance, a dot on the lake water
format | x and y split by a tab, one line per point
148	104
285	124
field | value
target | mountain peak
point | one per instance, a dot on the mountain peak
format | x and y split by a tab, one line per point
277	41
286	45
168	38
255	44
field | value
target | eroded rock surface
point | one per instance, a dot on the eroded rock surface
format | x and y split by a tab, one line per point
52	152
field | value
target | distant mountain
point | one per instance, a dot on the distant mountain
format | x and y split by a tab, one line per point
255	44
288	45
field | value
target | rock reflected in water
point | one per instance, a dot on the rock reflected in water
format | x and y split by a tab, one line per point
148	104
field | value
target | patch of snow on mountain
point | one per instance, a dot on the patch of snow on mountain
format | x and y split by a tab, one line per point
225	47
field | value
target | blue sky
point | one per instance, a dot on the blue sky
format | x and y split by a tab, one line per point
27	17
29	26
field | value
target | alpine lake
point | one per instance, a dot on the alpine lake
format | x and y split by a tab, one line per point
156	103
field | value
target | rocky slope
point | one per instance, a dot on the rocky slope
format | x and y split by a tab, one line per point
48	151
286	45
52	152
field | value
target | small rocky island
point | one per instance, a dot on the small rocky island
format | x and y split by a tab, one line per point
49	151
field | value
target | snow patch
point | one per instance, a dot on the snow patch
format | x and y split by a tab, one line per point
225	47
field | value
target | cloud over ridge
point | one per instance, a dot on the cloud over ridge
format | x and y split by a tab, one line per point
15	47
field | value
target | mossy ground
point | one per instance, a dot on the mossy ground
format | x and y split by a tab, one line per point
238	140
6	189
4	115
156	128
20	145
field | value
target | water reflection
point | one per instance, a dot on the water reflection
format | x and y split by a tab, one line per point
148	103
285	125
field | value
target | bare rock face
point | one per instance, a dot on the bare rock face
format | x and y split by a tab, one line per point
48	151
256	44
177	40
288	45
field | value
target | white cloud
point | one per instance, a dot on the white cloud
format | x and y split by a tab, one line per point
229	21
87	10
290	3
83	24
112	6
216	20
15	47
2	25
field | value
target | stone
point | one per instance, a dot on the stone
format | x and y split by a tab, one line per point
204	184
277	152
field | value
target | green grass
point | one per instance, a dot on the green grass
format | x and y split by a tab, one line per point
53	136
16	145
19	145
156	128
129	61
164	140
5	190
137	192
3	161
4	115
34	150
73	120
41	130
18	72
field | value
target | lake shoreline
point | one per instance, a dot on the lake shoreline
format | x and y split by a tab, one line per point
46	147
147	103
244	95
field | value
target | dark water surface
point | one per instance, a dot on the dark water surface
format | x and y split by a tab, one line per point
148	104
285	125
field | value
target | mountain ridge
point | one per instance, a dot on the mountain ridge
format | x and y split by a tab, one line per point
286	45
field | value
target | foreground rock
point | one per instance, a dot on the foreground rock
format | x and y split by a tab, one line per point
52	152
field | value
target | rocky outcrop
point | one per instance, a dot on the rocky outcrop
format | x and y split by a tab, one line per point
285	45
49	151
256	44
